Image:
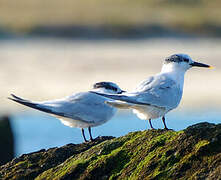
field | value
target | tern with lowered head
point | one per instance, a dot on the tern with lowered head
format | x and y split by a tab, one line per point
82	110
159	94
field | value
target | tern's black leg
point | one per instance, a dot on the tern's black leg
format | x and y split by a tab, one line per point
165	126
82	131
89	129
150	124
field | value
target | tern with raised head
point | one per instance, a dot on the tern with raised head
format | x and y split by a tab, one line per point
159	94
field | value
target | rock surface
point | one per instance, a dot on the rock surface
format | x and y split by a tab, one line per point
6	140
194	153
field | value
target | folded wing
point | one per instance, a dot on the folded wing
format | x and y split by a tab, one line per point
84	106
159	91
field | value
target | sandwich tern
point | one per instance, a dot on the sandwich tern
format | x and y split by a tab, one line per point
82	110
158	94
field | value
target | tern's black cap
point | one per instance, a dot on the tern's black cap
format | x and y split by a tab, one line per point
177	58
106	85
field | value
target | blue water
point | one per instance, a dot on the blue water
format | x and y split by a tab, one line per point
35	131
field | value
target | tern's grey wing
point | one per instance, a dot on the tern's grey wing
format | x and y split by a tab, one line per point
84	106
161	92
142	86
34	105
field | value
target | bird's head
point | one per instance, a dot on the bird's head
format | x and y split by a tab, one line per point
182	62
107	87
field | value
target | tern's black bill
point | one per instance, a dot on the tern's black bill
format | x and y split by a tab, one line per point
122	91
200	65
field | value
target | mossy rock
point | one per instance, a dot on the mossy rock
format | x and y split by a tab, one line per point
194	153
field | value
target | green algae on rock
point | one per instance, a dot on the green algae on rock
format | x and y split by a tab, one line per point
194	153
29	166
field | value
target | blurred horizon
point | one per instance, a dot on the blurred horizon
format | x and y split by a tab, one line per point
110	19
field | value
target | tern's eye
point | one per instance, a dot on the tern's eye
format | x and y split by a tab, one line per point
186	60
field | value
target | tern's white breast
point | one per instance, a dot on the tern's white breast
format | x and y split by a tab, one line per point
76	123
149	112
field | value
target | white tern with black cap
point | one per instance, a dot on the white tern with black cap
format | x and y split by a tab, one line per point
82	110
159	94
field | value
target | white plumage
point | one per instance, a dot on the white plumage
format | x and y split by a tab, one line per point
159	94
82	110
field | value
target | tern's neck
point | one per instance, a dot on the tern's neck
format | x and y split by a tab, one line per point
174	72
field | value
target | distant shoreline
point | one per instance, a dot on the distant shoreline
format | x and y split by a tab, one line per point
94	32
